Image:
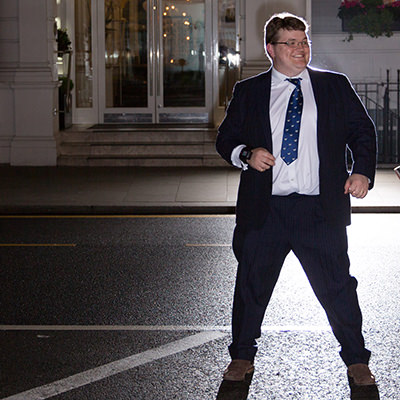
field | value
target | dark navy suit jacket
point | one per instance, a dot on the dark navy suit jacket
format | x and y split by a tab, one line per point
342	121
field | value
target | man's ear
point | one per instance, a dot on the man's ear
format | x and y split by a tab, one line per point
270	50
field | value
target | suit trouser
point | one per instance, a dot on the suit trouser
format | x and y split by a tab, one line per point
295	223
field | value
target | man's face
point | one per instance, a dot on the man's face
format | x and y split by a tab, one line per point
289	61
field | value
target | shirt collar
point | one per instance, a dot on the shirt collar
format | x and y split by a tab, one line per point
278	77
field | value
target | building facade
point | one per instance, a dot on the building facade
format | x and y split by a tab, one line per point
143	63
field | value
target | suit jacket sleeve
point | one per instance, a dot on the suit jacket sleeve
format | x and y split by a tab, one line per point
230	132
343	122
247	122
361	135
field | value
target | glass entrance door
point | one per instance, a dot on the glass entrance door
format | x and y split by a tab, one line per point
157	61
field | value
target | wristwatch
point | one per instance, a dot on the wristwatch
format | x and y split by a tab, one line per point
245	154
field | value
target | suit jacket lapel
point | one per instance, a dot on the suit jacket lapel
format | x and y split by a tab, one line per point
321	101
264	95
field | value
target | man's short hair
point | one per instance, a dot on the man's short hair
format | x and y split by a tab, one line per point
279	21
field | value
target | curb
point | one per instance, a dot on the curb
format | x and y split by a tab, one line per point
153	210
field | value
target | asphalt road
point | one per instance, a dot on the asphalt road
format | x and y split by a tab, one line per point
139	308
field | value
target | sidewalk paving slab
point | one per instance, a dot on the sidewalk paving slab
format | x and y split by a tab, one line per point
122	190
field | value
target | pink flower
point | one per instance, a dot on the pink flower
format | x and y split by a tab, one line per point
352	3
390	4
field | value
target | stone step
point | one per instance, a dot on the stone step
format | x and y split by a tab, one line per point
154	161
137	137
135	150
138	146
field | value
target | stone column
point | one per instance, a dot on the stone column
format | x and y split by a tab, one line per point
28	86
8	62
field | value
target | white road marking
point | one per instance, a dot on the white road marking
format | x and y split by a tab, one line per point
116	367
207	334
221	328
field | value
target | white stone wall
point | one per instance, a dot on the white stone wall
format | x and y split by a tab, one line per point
28	82
257	12
8	61
364	59
28	77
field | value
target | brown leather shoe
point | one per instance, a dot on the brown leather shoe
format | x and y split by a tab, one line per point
237	370
362	383
361	375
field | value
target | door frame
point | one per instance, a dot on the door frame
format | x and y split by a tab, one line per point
95	114
83	115
155	112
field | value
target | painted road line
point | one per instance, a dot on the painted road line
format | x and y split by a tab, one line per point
116	367
205	328
117	216
207	245
37	245
114	328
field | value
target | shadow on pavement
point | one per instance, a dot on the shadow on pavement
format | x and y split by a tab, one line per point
229	390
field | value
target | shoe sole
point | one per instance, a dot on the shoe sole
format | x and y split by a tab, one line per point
363	392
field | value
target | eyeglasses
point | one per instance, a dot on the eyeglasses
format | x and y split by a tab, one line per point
293	44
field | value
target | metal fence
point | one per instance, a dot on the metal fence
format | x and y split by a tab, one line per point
382	100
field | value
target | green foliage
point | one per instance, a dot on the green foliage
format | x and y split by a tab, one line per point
63	42
374	23
368	16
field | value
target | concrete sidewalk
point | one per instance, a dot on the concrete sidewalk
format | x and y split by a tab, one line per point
123	190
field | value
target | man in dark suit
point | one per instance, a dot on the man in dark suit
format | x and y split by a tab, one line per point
288	129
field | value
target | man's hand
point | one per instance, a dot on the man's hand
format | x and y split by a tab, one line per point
261	159
357	185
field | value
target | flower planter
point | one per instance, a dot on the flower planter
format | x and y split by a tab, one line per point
373	17
395	27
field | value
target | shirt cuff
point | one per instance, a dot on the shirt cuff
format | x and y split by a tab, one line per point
236	161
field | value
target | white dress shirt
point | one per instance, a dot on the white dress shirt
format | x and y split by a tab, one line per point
301	176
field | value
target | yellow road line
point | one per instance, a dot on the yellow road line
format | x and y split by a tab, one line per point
117	216
37	244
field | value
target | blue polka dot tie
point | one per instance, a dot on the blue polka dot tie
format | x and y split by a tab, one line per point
290	140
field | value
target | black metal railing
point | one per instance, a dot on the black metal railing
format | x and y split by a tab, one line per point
382	101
